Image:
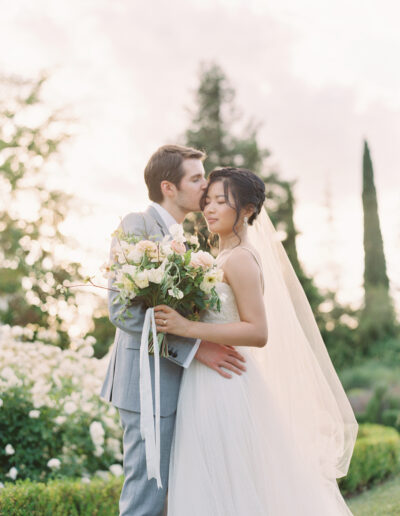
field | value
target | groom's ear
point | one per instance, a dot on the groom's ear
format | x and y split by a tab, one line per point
168	189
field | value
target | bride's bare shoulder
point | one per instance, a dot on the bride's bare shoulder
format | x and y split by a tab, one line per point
240	260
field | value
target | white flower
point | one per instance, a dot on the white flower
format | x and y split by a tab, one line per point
116	470
175	292
12	473
193	239
1	485
97	433
141	279
155	275
34	414
134	254
128	286
177	233
9	449
69	407
59	420
129	269
1	402
98	452
54	464
166	249
85	480
114	446
210	279
86	351
106	270
12	380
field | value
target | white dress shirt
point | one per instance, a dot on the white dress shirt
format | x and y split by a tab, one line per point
169	221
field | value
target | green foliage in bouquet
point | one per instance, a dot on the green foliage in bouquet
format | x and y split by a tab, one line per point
171	272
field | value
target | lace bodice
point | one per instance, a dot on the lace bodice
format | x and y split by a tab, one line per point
228	312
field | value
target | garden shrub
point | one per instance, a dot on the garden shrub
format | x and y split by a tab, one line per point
52	422
376	456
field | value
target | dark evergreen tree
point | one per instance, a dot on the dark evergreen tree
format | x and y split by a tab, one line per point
377	318
215	128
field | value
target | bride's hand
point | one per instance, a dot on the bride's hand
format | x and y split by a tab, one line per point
169	321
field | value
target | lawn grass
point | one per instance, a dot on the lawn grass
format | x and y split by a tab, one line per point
380	500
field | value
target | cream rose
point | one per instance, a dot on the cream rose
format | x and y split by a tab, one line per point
177	233
149	247
156	275
141	279
202	259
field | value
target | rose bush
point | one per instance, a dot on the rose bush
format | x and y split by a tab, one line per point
52	421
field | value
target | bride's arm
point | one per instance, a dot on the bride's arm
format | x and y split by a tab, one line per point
243	275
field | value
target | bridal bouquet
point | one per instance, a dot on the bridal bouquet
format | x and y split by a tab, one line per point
171	272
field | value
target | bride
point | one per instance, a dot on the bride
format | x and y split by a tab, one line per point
273	440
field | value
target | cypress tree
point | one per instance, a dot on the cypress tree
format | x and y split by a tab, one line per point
377	317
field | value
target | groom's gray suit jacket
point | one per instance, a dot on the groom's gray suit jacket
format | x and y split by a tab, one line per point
121	385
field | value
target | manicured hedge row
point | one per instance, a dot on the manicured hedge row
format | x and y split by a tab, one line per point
376	456
61	498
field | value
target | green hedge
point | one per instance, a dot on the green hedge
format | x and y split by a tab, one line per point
68	497
376	456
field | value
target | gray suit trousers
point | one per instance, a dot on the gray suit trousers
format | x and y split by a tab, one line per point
139	496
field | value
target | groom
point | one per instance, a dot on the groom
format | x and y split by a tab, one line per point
175	180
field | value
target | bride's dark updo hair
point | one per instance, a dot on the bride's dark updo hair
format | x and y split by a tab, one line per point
245	186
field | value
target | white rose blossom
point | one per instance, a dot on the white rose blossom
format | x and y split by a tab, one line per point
156	275
54	464
177	233
13	473
141	279
69	407
116	470
9	449
46	373
97	433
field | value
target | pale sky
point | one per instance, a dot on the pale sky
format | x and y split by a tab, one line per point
320	76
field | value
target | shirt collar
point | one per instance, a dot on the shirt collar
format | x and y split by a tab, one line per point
167	218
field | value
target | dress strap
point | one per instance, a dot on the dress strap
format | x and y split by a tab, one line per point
257	261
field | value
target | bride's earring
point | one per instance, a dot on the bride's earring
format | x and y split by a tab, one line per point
245	224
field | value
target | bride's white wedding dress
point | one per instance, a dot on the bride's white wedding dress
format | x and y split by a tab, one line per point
228	457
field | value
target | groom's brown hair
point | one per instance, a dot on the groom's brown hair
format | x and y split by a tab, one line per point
166	165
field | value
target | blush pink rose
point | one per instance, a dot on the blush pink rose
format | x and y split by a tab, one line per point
178	247
202	259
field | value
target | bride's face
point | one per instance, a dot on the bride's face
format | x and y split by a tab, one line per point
219	214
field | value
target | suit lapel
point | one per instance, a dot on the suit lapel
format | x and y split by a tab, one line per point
154	213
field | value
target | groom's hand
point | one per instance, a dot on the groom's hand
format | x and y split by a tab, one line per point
217	357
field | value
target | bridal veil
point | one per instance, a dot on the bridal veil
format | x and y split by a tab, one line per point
296	365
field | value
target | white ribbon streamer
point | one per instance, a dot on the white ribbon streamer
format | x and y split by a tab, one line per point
151	437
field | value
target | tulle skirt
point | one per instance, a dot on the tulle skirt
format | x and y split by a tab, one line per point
231	455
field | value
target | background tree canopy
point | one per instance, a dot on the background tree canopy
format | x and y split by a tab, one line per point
32	247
